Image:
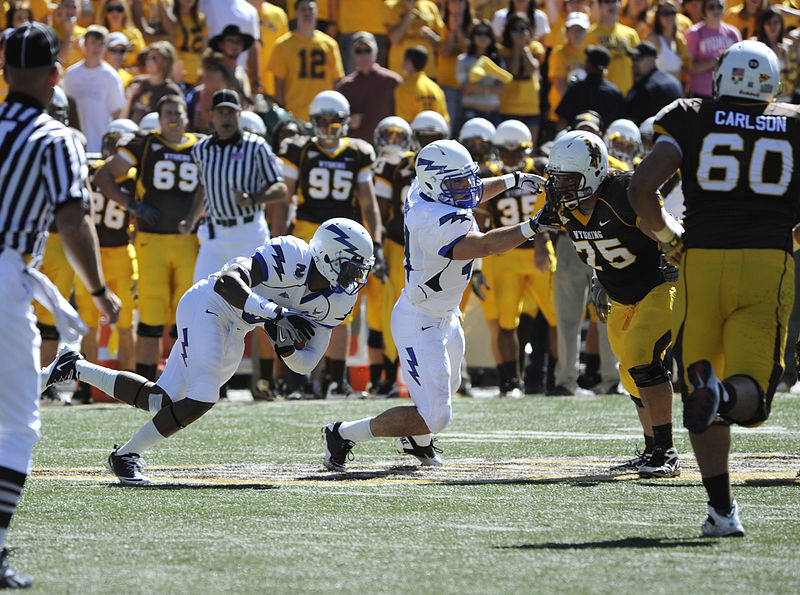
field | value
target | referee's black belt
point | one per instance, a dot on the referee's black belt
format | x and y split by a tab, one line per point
234	221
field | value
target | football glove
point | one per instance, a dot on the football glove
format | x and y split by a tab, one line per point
670	271
600	300
478	283
671	240
381	268
291	325
147	213
530	182
281	342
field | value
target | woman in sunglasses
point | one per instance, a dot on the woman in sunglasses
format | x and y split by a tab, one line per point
116	16
706	41
673	55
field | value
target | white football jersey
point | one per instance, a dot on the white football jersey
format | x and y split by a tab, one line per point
285	264
435	283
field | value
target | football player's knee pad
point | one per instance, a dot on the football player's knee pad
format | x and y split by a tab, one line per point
173	332
48	332
637	401
750	405
375	339
187	411
156	397
648	375
149	330
436	418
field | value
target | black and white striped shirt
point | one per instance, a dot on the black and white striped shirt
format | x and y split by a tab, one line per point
246	163
42	166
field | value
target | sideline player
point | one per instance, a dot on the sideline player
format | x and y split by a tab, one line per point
441	242
592	205
735	289
299	292
166	180
332	176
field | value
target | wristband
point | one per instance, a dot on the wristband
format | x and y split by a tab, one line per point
99	292
258	306
527	230
510	180
671	230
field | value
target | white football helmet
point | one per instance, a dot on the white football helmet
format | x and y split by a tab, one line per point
330	115
150	122
647	132
252	122
115	131
429	126
393	131
446	172
477	128
623	140
513	142
59	106
342	252
748	70
577	166
476	135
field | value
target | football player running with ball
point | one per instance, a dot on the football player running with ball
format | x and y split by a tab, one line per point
298	291
735	289
441	242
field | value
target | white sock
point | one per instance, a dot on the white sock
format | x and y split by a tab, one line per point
3	531
146	438
154	402
423	440
102	378
357	431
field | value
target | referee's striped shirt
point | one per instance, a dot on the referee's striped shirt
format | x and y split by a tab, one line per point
42	166
246	163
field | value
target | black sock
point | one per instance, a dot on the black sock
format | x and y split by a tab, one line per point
147	370
265	368
719	491
389	369
662	435
649	442
551	371
592	364
375	373
336	369
508	370
11	483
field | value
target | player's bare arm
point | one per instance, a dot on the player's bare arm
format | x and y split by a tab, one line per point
81	247
270	194
113	169
234	283
365	192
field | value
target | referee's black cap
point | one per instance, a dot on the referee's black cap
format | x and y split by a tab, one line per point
225	98
32	45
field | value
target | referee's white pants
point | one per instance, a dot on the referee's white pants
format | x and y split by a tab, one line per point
19	367
430	350
228	243
571	286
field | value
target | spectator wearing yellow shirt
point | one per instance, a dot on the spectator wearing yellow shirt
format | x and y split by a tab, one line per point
636	15
326	15
64	21
273	22
115	15
39	9
567	61
362	15
305	62
619	40
116	49
186	27
413	22
418	93
557	13
520	98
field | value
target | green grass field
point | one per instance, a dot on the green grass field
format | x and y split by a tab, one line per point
524	504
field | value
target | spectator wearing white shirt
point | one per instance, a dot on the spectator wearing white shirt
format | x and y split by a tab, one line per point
221	13
96	87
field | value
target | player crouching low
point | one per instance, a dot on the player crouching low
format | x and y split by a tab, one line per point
298	291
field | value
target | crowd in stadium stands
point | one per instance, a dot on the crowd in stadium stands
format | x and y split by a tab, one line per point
506	77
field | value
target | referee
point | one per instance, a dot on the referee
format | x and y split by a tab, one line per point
42	174
238	176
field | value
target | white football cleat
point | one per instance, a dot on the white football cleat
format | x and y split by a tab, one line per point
723	525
